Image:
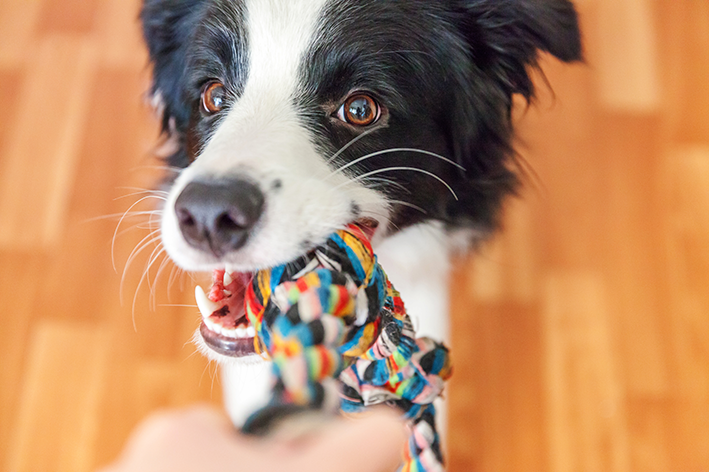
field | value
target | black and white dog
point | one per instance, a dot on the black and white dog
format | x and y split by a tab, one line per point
292	118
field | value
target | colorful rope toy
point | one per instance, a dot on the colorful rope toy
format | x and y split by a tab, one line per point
339	338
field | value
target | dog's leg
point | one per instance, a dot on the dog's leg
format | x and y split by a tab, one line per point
247	388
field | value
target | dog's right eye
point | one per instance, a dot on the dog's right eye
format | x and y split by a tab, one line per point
213	97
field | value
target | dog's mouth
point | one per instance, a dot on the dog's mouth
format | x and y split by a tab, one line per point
225	327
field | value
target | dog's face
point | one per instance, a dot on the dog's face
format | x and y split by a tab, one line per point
296	117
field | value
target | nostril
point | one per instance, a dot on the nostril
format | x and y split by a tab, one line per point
228	223
185	218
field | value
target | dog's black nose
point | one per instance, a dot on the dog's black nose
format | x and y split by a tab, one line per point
217	216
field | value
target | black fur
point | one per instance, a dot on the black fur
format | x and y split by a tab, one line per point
445	70
168	26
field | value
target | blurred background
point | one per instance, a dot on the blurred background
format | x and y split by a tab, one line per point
581	332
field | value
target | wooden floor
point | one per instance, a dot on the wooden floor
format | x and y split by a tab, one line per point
581	333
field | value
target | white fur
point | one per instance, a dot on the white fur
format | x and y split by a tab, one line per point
247	387
417	261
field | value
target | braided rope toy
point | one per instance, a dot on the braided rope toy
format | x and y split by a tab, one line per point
339	338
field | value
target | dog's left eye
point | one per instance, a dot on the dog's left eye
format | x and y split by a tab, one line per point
359	110
213	97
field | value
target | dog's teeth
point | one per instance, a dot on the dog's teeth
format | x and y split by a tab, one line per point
240	332
250	331
227	278
228	332
206	306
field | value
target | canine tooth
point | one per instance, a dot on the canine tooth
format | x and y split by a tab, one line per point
206	306
240	332
250	331
211	325
227	278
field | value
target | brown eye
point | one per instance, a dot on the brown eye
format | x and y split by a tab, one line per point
359	110
213	98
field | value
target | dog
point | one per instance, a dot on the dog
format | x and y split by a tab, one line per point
289	119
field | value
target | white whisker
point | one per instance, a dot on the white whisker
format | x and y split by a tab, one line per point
113	241
407	204
147	190
165	262
150	193
114	216
175	272
350	143
140	247
388	182
389	151
145	277
413	169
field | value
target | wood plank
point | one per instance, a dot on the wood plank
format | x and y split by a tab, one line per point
18	23
585	393
40	161
113	143
683	38
505	268
634	251
688	230
67	16
18	292
626	56
496	392
557	138
650	431
55	426
118	32
11	82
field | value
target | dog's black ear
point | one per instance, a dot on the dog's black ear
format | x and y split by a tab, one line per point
167	27
505	36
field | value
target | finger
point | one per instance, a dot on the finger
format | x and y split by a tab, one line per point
197	438
371	444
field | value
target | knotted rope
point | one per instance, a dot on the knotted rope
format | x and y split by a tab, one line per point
339	337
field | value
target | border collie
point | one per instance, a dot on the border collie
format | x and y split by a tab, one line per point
293	118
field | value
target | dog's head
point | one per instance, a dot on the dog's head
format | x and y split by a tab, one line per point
293	118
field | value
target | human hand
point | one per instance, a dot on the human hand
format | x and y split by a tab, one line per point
199	439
